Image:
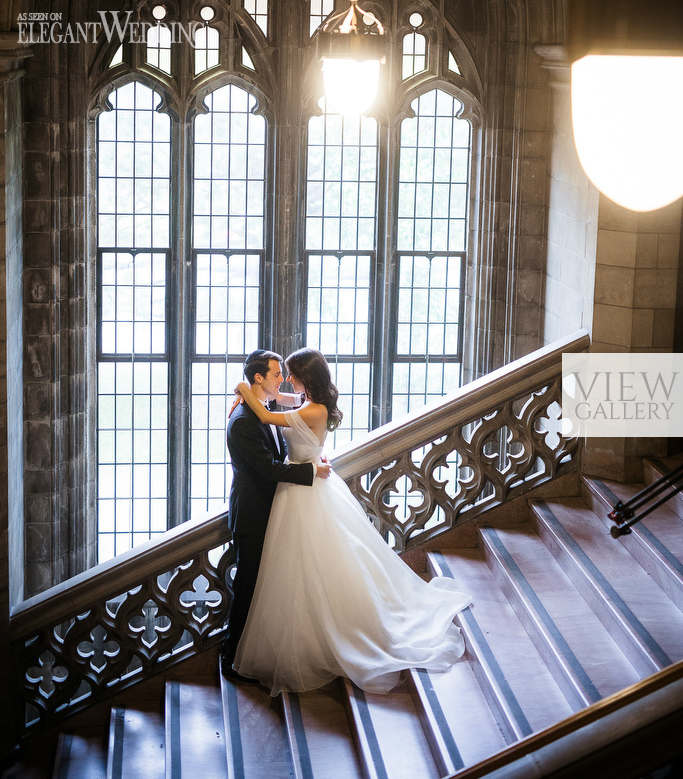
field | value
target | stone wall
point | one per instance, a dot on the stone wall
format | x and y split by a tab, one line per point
11	349
572	225
636	279
54	313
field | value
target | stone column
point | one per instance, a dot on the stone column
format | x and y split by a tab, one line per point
12	56
288	259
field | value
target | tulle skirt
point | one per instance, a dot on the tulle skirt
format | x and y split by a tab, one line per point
333	599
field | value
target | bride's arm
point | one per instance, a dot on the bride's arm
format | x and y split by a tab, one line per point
289	399
265	416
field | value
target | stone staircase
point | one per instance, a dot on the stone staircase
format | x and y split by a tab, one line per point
564	616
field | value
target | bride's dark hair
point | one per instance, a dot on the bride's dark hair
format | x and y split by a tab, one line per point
312	370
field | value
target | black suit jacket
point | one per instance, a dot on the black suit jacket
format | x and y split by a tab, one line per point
257	468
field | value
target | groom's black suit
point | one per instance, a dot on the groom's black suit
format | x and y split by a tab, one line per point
257	467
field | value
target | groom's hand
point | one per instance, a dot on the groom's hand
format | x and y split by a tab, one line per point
323	470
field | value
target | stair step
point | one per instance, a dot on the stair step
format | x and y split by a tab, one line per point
195	737
390	739
255	744
456	717
586	662
630	605
136	745
320	741
521	691
656	542
654	468
79	757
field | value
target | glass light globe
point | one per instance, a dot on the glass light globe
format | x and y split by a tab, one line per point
627	113
350	85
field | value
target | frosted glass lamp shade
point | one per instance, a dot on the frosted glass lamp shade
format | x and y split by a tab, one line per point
627	113
350	85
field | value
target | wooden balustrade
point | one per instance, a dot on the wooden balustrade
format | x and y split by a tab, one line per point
166	600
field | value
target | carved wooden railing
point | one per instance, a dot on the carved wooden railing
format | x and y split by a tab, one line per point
166	600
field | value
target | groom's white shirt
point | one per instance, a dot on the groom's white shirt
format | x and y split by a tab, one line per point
264	403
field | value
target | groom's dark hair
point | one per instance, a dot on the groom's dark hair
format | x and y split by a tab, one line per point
257	362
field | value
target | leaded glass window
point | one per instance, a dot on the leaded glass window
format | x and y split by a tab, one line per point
207	43
258	10
229	217
414	49
434	160
341	192
159	42
133	142
188	285
431	236
320	10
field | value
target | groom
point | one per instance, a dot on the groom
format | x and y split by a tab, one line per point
258	454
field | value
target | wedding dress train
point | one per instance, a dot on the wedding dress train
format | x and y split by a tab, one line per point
333	599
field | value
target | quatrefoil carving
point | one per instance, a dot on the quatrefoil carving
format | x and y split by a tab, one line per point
149	624
98	650
200	598
46	673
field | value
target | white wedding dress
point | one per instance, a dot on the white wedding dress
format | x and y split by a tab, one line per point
333	599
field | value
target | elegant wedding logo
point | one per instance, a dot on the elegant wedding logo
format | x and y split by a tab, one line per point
49	27
615	395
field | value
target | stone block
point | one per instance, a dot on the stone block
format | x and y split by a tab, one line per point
655	288
616	248
37	482
37	286
615	217
646	250
531	252
529	286
612	324
642	328
532	220
37	250
614	285
599	346
37	179
37	319
37	216
37	357
39	542
37	445
37	400
37	136
527	343
532	181
668	247
535	143
663	220
38	98
38	577
527	321
664	328
537	113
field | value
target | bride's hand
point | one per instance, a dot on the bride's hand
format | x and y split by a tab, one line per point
239	389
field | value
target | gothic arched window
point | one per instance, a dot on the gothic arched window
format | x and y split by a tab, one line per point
205	245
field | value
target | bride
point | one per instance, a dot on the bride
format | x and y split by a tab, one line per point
332	598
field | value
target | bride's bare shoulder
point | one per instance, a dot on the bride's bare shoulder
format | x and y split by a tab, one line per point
310	412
